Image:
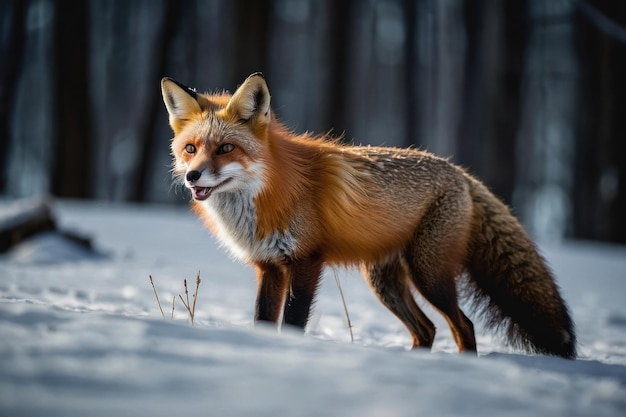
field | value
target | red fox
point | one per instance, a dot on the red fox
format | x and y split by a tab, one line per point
291	203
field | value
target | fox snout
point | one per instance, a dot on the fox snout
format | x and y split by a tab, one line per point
202	184
199	193
193	176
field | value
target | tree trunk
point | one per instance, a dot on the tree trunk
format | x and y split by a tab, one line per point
600	175
497	38
71	175
251	31
411	74
12	52
339	42
171	21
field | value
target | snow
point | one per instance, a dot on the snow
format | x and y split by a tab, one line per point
81	335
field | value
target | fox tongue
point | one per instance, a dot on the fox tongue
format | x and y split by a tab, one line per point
201	192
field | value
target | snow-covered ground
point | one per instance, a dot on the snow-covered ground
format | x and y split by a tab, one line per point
82	335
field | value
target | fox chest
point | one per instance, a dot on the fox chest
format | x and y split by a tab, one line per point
234	216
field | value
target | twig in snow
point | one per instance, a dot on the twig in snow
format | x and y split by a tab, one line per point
345	307
195	296
191	308
187	295
157	297
186	306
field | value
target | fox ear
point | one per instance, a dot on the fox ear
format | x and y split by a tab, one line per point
251	101
181	102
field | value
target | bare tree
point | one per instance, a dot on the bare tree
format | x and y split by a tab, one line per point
600	174
71	175
497	39
163	44
12	51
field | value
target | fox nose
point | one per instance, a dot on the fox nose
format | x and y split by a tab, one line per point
193	176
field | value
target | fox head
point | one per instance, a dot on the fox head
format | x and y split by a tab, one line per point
217	144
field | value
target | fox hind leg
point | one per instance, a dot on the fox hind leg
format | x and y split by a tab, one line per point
440	291
434	258
389	281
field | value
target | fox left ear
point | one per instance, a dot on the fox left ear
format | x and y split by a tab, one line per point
182	102
251	101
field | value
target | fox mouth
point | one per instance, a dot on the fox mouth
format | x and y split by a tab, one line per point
202	193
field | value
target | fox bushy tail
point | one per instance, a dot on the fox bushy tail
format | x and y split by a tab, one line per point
512	286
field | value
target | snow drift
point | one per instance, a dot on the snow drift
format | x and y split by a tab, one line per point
81	334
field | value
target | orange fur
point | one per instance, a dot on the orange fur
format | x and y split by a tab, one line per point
330	188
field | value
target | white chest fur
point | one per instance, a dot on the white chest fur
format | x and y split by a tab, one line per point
234	215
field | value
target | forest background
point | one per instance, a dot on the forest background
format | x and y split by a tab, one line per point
529	95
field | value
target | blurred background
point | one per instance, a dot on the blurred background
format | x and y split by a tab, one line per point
529	95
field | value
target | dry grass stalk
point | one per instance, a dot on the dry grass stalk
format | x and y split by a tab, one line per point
187	296
157	297
191	308
186	306
195	295
345	306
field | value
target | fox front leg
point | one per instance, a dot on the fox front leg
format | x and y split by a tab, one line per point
272	281
305	277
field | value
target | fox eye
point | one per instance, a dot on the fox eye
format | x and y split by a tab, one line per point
189	148
225	148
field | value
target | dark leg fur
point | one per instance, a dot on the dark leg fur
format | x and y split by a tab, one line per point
389	281
305	278
440	291
434	258
272	285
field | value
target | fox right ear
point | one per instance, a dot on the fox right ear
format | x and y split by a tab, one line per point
251	101
181	102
